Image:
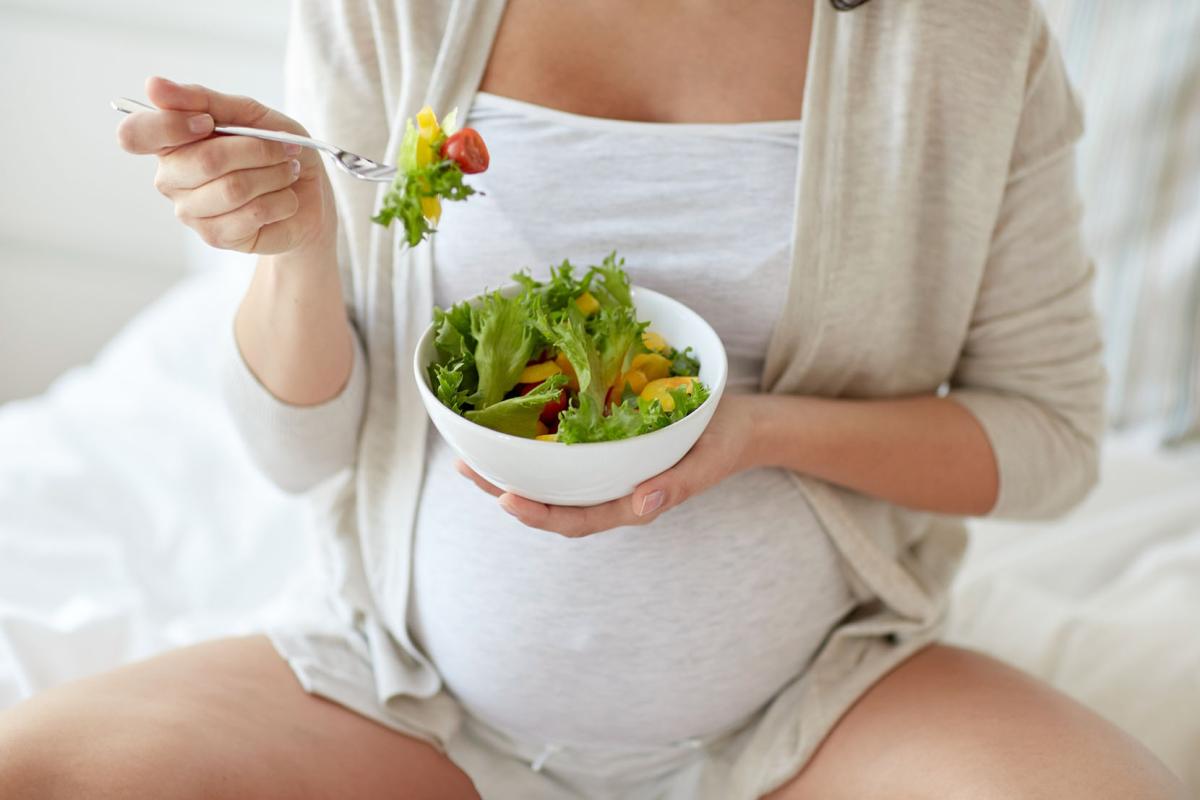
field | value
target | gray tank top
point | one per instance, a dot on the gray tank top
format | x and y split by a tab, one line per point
647	635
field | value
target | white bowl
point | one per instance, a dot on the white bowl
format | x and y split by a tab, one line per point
594	472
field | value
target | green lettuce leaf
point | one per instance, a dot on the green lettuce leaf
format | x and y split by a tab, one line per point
505	339
683	363
596	355
519	415
402	201
582	424
613	287
614	333
631	417
454	337
408	149
448	384
527	281
654	416
558	292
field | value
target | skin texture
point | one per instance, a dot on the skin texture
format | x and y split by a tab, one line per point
228	719
738	62
224	720
950	724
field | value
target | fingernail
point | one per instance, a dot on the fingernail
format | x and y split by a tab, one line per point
651	503
504	503
292	149
295	168
201	123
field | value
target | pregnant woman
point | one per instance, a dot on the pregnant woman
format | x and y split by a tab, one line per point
875	209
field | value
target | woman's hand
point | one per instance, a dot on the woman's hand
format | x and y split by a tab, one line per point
923	452
238	193
726	447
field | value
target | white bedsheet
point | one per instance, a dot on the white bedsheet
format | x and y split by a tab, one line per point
130	518
1104	604
132	521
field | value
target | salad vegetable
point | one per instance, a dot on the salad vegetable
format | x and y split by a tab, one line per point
563	360
432	161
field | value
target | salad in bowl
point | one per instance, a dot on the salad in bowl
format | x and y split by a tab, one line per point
570	390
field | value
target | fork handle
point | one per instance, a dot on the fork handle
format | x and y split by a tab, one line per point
127	105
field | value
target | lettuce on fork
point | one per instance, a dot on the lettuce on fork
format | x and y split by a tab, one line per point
551	361
433	159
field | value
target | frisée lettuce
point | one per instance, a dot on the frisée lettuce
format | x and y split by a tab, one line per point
565	359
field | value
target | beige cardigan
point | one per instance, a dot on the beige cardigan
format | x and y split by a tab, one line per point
936	242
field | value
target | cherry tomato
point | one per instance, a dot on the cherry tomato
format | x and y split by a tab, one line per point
466	148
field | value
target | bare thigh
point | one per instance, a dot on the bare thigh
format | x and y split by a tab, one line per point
949	723
226	719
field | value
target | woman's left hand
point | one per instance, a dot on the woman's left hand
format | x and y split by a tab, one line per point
725	447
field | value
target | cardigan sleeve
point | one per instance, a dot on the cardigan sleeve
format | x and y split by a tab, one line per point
1030	369
296	447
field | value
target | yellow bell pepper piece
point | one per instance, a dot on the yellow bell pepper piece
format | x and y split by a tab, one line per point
564	364
547	437
652	365
654	342
428	131
660	390
587	304
637	381
431	208
427	124
536	373
424	152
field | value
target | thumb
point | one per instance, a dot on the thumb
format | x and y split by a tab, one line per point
665	490
226	109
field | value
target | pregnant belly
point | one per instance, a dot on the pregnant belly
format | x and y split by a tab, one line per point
637	636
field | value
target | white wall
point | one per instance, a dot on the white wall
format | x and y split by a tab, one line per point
85	241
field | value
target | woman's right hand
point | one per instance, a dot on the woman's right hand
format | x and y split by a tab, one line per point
236	192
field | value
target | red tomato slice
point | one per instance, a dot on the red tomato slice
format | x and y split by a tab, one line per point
466	148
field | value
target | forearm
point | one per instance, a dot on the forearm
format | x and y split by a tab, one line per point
922	452
292	329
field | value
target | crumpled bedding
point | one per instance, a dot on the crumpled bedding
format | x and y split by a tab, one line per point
1104	604
131	520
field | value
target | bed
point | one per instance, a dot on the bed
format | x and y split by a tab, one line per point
132	521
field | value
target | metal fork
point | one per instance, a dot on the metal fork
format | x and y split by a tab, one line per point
361	168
